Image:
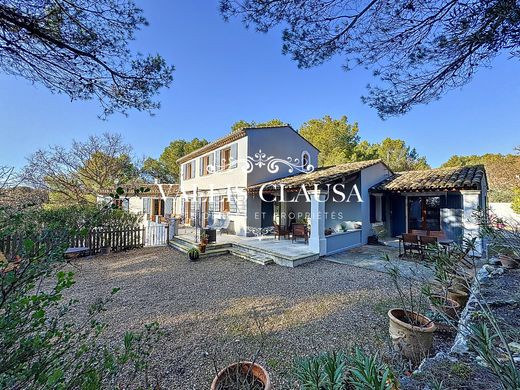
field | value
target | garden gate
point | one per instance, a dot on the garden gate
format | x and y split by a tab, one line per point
156	234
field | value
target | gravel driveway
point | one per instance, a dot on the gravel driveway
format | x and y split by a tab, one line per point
220	306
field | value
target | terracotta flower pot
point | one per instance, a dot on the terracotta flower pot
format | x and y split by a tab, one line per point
412	341
508	262
445	305
461	297
258	372
202	247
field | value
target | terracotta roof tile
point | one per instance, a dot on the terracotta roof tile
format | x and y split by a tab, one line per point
455	178
320	175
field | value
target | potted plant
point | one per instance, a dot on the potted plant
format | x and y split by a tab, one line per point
242	375
193	254
410	331
203	241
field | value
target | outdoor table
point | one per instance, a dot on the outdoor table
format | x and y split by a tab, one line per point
446	243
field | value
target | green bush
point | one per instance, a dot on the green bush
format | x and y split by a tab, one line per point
45	346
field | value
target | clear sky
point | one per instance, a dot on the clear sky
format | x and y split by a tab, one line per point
225	73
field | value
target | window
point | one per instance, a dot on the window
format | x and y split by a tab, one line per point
424	213
204	164
224	204
225	158
189	170
305	160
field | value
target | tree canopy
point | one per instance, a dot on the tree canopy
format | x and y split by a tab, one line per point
503	172
241	124
334	138
81	48
76	174
417	50
339	142
165	168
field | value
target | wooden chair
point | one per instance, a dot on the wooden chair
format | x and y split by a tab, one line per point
411	244
437	233
427	242
299	230
280	231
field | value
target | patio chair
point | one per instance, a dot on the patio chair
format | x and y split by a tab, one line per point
437	233
299	230
411	244
224	227
280	231
216	224
427	242
419	232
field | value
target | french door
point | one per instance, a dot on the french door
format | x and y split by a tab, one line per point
424	213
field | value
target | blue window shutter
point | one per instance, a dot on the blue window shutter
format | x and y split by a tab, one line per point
212	161
201	165
193	169
168	206
234	155
183	171
147	205
218	163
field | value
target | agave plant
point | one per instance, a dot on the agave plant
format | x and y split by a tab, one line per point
367	372
323	372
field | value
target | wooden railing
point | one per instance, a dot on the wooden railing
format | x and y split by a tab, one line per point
117	239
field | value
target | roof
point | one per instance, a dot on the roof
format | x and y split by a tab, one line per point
320	175
168	189
233	136
441	179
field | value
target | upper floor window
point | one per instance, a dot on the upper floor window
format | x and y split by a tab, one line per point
188	170
225	158
305	160
205	163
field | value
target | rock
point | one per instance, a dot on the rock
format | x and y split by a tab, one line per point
497	272
488	268
495	261
481	362
514	347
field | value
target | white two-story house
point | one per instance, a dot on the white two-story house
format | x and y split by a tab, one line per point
215	178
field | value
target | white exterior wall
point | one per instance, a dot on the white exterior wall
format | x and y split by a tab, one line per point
504	211
370	177
279	142
217	184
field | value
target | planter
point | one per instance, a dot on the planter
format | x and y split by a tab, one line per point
105	250
202	247
508	262
193	256
460	283
445	305
260	375
459	296
412	341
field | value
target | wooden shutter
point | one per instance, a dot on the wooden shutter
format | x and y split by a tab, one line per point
201	166
193	169
234	155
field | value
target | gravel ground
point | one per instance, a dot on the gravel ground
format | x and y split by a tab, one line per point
219	307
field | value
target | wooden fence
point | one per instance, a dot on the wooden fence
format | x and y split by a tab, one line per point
116	239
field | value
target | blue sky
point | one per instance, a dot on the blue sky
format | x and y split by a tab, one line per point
225	73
